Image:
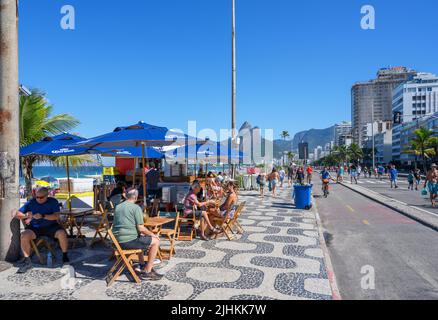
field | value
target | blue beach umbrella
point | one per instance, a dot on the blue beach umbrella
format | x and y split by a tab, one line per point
130	152
57	146
139	135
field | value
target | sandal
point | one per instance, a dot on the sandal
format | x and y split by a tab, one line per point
203	237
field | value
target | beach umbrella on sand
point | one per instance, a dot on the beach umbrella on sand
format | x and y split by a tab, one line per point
139	135
57	147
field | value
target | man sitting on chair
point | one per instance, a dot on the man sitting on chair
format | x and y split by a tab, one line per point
130	232
40	217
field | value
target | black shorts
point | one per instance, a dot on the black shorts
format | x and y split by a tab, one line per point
49	231
142	242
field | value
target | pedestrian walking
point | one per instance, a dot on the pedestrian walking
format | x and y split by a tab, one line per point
431	183
261	181
290	175
359	171
393	175
411	178
299	177
282	175
353	174
340	174
274	178
309	171
417	176
380	172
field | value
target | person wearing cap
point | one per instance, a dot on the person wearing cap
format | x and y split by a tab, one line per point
431	183
40	216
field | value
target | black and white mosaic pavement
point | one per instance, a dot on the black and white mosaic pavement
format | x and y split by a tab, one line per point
278	257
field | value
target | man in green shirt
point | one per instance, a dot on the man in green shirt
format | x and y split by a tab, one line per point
130	232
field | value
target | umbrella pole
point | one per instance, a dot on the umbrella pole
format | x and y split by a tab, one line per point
134	172
68	184
143	174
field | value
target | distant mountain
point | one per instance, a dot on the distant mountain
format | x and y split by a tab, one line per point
315	137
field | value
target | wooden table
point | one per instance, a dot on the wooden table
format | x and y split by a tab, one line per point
155	224
73	215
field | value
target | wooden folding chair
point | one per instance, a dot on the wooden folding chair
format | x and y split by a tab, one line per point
225	223
46	242
235	221
101	228
155	208
186	222
170	235
124	259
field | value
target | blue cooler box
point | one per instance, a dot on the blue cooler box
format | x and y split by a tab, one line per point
302	196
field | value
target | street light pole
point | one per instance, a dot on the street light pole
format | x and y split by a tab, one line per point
372	134
9	131
233	81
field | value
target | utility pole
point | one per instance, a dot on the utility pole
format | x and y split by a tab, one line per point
372	133
9	131
233	83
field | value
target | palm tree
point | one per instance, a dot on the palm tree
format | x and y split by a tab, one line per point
341	153
355	152
290	156
284	135
37	123
422	144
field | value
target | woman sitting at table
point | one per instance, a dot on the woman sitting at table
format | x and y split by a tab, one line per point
191	202
118	194
228	207
214	189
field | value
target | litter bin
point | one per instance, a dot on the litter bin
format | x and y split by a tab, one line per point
303	196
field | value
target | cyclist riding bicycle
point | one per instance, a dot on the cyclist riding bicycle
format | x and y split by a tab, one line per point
325	178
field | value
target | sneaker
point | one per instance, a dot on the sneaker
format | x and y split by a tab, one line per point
24	268
151	276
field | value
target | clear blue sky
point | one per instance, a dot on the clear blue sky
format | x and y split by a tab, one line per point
168	61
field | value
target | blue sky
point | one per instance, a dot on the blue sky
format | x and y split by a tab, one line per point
168	61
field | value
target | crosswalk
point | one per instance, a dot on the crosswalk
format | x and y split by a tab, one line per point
365	181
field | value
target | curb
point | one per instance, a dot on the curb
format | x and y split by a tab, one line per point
328	262
386	201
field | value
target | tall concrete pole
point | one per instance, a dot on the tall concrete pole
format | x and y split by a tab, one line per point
233	82
9	130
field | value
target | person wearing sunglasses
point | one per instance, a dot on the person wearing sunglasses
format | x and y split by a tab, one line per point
40	216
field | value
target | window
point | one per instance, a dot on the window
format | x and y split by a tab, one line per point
429	89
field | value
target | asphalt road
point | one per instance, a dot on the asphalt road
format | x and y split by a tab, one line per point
412	198
364	236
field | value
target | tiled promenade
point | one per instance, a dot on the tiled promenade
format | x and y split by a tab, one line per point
278	257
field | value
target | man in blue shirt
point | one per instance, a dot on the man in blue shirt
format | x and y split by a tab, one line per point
40	217
325	178
393	174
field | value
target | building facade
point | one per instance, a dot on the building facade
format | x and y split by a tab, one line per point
372	101
413	100
383	147
342	133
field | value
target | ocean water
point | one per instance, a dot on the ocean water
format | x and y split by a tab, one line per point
82	172
60	172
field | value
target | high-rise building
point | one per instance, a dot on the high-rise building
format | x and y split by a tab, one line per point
342	132
375	95
413	100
